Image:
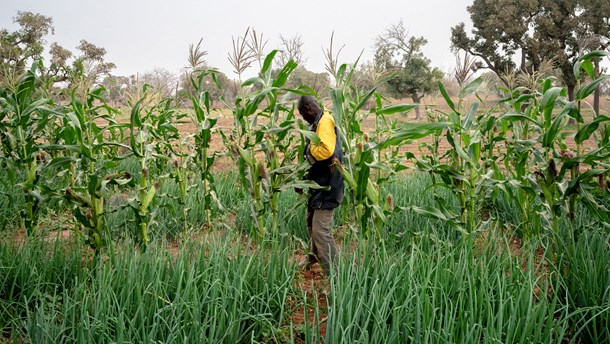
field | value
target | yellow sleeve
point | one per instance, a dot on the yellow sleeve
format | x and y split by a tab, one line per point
328	138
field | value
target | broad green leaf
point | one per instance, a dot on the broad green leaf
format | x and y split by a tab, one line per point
302	184
588	67
365	98
430	211
548	139
586	59
471	87
412	132
268	61
58	147
338	98
586	131
252	81
515	117
363	174
400	108
341	72
60	162
312	136
303	90
572	110
468	120
589	88
548	101
445	95
283	75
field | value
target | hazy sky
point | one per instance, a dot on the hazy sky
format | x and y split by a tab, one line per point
142	35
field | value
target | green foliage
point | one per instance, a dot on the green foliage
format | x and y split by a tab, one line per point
24	117
538	31
401	55
262	145
204	158
86	148
19	48
514	165
458	294
57	294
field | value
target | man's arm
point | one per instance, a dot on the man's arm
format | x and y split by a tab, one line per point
328	138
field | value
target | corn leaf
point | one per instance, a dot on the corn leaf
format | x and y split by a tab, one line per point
445	95
312	136
548	101
364	99
548	139
471	88
589	88
412	132
514	117
400	108
268	61
586	131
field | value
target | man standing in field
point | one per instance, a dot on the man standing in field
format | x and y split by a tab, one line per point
322	203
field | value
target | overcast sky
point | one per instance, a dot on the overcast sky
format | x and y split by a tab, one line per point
142	35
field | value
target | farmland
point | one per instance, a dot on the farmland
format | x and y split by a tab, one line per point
484	222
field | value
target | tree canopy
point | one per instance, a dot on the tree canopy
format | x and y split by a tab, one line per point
400	54
19	47
524	35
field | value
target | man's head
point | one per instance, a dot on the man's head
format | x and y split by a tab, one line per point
308	108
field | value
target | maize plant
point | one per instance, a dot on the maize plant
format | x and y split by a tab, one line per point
89	162
181	172
24	121
152	132
552	186
463	169
363	193
364	154
203	158
262	146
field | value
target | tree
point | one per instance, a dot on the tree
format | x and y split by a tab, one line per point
291	49
162	80
116	86
368	75
58	68
85	71
596	19
206	84
19	48
399	53
533	32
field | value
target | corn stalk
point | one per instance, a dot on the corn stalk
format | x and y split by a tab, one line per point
89	161
204	158
261	144
24	123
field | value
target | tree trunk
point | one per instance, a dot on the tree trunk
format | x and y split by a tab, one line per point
596	94
416	99
571	88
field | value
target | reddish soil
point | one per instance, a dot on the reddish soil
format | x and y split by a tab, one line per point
314	285
225	123
312	282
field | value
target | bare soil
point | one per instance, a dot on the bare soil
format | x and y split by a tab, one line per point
431	104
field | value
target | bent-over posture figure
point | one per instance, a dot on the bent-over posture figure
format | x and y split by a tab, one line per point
322	203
